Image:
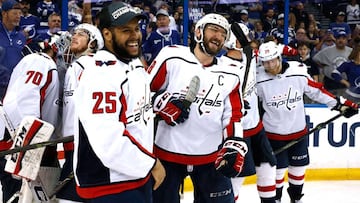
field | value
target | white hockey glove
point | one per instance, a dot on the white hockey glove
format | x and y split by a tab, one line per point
230	158
346	107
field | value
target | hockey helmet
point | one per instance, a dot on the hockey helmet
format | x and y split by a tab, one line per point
215	19
245	35
94	35
268	51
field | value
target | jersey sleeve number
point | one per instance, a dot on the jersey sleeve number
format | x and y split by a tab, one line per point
34	77
109	98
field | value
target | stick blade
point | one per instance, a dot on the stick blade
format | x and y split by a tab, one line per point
194	87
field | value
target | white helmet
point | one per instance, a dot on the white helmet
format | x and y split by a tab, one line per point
215	19
269	51
94	34
231	43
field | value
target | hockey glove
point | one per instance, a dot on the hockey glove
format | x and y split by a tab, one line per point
230	158
171	110
288	50
346	107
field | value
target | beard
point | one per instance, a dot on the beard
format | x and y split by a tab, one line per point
213	51
121	51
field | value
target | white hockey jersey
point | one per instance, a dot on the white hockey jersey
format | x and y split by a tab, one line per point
251	121
71	81
214	115
33	91
114	142
282	99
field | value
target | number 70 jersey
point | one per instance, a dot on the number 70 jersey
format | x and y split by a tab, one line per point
33	90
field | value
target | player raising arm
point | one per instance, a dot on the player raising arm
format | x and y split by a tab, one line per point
33	91
281	86
260	158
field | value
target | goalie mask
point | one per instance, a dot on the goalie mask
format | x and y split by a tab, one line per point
59	43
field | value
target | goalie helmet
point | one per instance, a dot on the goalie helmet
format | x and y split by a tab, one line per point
269	51
94	36
215	19
231	43
58	42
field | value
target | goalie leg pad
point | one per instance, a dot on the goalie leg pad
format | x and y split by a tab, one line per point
26	164
45	183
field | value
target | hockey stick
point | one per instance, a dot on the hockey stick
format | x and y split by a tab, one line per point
8	124
37	145
61	184
192	91
190	96
318	127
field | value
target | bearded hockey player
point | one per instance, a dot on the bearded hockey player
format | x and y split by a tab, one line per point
190	140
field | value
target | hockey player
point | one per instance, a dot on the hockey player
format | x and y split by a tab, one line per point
86	40
189	140
113	159
260	158
33	91
281	86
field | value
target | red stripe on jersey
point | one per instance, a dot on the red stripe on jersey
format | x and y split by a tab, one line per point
122	116
235	100
113	188
44	88
266	188
253	131
159	78
294	177
5	144
291	136
29	135
183	158
319	86
133	140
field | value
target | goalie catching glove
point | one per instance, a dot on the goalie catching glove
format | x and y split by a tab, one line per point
170	109
346	107
230	158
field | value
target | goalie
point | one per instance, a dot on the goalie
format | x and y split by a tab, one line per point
33	91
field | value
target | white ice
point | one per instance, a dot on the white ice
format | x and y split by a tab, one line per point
315	191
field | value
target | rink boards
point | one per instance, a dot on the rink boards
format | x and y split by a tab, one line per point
334	150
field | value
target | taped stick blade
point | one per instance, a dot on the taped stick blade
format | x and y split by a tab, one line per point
194	87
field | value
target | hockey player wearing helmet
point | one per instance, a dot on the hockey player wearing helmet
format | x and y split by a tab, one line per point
281	86
203	140
33	91
260	158
113	146
86	40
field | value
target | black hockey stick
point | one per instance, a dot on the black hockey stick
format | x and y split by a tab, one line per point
318	127
61	184
36	145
